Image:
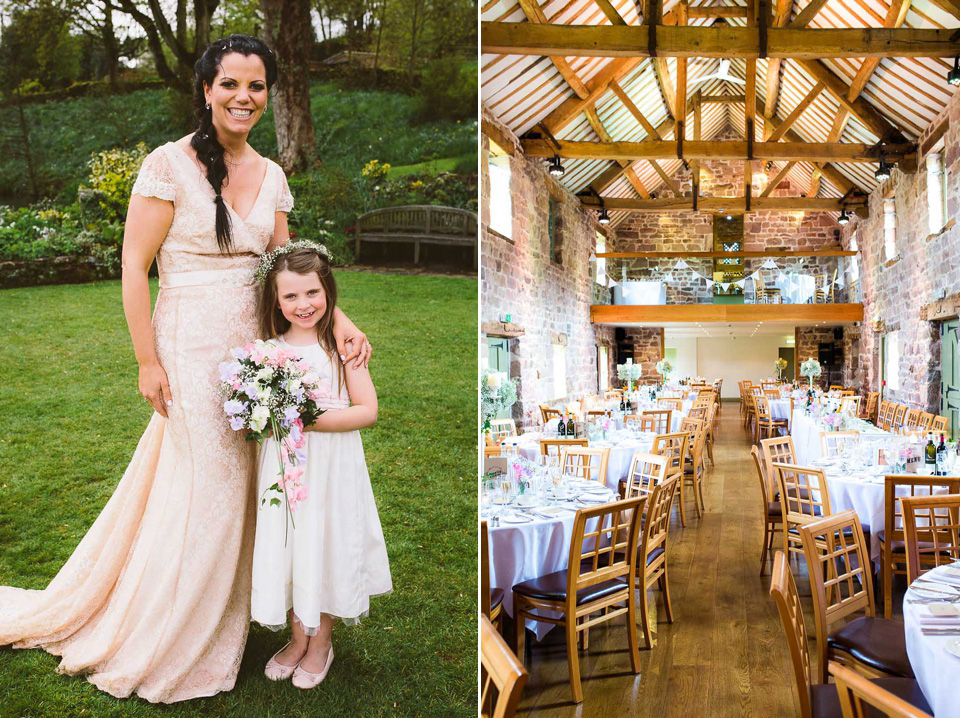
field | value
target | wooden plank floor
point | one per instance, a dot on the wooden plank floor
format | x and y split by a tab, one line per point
725	654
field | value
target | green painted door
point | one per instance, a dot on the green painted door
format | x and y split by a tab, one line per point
950	374
498	359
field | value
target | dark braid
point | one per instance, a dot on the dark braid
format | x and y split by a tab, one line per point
204	142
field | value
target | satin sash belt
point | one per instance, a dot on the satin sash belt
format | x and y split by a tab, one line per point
233	277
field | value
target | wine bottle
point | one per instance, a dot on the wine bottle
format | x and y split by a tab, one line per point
930	451
623	405
562	429
571	427
942	458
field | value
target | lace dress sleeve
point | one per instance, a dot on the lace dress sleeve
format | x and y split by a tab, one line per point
156	177
284	198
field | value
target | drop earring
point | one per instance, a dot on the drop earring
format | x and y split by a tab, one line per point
208	105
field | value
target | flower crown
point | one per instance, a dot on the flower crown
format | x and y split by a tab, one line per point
268	259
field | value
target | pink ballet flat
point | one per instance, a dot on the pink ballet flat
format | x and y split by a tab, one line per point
306	680
277	671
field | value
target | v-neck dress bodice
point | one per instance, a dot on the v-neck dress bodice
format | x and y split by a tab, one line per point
155	600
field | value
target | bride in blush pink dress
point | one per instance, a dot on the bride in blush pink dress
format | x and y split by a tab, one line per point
156	598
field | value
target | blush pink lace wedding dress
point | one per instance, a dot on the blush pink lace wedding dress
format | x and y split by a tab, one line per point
156	598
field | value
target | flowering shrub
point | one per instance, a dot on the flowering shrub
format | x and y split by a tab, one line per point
112	173
374	171
37	231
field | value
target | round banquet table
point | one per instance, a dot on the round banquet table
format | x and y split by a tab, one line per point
520	552
622	444
937	669
805	431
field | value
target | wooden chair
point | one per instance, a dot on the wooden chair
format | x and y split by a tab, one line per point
594	414
585	463
502	428
850	405
871	408
744	385
899	415
503	673
892	697
940	423
925	423
671	403
598	577
613	394
773	517
693	468
804	498
835	387
491	601
847	392
824	287
546	413
652	559
644	423
885	414
778	450
936	540
841	581
833	442
663	419
699	413
646	472
912	420
674	448
494	450
767	426
893	551
710	421
556	446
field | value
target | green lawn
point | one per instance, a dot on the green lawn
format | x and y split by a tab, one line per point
70	417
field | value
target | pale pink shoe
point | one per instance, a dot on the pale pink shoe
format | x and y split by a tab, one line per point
306	680
277	671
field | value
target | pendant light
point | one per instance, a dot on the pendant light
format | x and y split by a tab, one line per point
604	217
843	219
883	171
953	77
556	169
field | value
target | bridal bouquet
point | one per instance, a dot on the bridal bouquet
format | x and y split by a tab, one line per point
269	390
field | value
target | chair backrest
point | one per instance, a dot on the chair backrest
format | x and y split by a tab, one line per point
595	413
833	442
925	423
850	405
647	471
756	390
885	414
784	591
699	413
644	423
761	475
484	570
872	398
847	392
803	493
663	418
604	544
656	524
492	450
546	413
841	575
899	414
555	446
771	394
932	531
585	463
776	450
857	693
674	448
896	486
940	423
671	403
912	419
836	387
502	428
503	672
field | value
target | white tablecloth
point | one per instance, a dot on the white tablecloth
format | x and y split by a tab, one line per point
806	435
520	552
636	292
937	671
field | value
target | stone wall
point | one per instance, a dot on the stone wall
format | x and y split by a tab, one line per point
550	301
807	347
925	269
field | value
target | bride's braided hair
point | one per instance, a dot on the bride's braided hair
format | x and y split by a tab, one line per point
204	142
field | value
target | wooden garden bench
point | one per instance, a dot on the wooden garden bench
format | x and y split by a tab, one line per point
419	224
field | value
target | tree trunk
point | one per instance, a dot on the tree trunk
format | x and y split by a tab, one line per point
289	33
376	57
110	45
25	137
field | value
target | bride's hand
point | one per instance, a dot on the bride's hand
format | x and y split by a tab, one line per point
154	387
346	333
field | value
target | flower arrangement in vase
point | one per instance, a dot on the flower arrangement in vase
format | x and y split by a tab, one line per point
497	393
629	372
811	368
780	364
664	368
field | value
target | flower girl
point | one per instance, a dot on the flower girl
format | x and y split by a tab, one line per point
334	556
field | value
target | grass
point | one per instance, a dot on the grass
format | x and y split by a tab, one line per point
431	166
70	417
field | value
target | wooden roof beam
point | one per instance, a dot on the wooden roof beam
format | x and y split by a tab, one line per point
807	14
594	119
611	174
723	150
734	205
524	38
666	178
611	12
535	14
598	85
772	184
717	11
780	18
797	111
651	131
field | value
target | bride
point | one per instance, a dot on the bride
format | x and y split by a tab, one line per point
155	600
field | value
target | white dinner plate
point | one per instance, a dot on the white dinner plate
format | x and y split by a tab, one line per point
595	489
592	499
516	519
930	593
953	647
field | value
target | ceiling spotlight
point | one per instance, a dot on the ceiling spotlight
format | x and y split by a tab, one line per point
883	171
769	166
953	77
729	216
843	219
604	217
556	169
